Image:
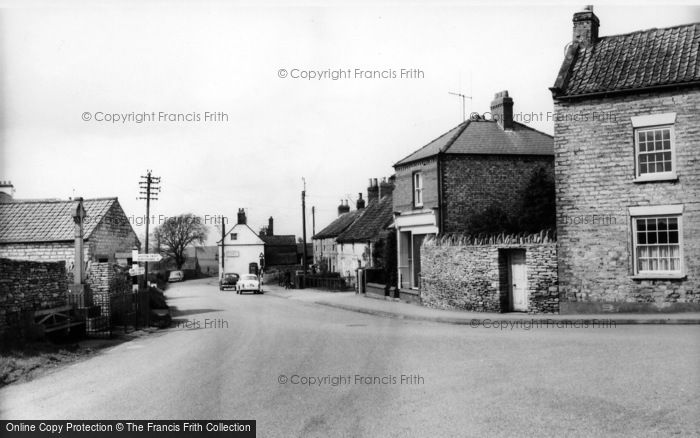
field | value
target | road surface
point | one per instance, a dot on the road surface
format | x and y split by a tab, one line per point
256	357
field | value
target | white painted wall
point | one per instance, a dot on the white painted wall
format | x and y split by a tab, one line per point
242	251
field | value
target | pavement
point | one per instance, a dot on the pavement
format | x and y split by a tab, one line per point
303	369
375	305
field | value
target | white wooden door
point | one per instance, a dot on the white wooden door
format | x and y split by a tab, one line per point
518	281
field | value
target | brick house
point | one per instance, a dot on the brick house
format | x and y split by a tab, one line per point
627	131
477	165
43	230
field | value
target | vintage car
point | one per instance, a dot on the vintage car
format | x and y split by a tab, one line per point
249	283
228	281
176	276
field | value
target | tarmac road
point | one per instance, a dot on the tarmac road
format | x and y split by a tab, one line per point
256	357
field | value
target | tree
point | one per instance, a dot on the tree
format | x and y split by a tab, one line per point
175	234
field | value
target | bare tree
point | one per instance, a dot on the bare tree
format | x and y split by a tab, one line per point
177	233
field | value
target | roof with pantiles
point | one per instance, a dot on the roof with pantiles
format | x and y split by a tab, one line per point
48	220
643	59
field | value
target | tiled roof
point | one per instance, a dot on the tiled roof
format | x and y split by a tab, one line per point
288	239
339	225
48	220
376	217
647	58
486	137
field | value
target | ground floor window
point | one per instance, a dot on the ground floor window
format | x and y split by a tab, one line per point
657	241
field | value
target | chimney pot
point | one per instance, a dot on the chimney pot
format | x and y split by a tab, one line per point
360	202
242	220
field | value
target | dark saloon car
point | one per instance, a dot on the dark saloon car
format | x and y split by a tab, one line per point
228	281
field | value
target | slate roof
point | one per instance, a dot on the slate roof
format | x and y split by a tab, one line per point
643	59
48	220
374	219
486	137
338	225
281	240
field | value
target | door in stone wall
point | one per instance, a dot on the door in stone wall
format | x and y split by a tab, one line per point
517	271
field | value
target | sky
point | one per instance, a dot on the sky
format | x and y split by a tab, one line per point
250	86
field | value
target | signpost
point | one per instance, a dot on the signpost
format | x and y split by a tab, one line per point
140	270
148	258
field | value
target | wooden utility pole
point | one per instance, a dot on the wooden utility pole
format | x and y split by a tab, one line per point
313	221
223	253
303	223
150	187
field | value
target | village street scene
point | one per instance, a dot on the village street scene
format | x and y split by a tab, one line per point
341	228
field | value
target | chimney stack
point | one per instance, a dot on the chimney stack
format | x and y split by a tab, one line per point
360	202
586	26
502	110
270	230
372	190
7	191
385	188
241	217
343	208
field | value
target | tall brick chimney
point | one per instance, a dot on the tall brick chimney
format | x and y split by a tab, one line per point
343	207
7	191
241	217
586	26
502	110
360	202
270	229
372	190
385	188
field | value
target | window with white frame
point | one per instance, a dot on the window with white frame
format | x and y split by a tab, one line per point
418	189
654	145
657	240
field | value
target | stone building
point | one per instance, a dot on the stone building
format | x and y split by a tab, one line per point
477	165
627	132
43	230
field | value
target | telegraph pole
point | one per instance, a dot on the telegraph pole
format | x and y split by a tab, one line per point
303	223
313	221
223	254
149	189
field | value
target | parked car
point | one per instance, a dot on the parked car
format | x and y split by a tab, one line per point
228	281
250	283
176	276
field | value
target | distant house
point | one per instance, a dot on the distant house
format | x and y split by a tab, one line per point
280	250
207	259
476	166
325	248
241	248
43	230
309	254
627	112
356	244
347	243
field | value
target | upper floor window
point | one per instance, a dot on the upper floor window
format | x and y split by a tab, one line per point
418	189
234	236
657	241
655	148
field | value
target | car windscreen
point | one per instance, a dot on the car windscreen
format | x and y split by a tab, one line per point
250	277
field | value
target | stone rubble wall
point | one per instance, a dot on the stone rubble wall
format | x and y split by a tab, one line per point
475	278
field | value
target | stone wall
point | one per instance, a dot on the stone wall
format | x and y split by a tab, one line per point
594	174
106	281
114	234
471	183
475	277
27	285
43	252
